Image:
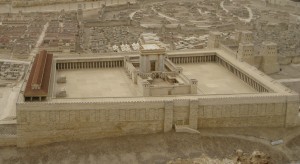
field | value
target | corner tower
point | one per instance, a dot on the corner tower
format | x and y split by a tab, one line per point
270	58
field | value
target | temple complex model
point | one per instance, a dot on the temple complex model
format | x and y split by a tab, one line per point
148	92
85	69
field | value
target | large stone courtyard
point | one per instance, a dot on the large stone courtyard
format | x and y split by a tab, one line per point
214	79
91	83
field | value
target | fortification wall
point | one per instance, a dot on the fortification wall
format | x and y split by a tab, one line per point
121	7
108	23
246	114
41	123
75	121
27	3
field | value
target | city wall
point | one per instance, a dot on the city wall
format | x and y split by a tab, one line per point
72	120
27	3
108	23
121	7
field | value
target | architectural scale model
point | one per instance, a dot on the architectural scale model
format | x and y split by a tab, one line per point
76	70
147	92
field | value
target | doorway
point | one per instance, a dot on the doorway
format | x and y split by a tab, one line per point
152	66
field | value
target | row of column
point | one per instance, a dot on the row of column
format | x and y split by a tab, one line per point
242	76
35	98
193	59
86	65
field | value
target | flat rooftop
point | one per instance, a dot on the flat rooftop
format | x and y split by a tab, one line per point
89	83
150	47
215	79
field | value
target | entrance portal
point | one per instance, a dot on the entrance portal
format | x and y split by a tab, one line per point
152	65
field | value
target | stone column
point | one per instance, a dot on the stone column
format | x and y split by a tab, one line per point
193	115
168	120
194	86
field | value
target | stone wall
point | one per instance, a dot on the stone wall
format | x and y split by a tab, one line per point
41	123
61	122
107	23
169	90
28	3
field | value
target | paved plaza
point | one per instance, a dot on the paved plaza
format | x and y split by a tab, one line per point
112	82
214	79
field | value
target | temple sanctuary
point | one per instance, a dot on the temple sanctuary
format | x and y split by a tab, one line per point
74	97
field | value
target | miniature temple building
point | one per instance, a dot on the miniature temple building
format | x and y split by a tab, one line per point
152	58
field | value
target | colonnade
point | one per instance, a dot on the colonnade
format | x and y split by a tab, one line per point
89	64
254	84
193	59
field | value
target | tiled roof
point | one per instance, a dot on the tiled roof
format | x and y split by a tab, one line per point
39	75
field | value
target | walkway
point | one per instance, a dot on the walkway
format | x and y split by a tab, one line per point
39	42
246	20
164	16
131	15
288	80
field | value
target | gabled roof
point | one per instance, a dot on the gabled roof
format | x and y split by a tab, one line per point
39	75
